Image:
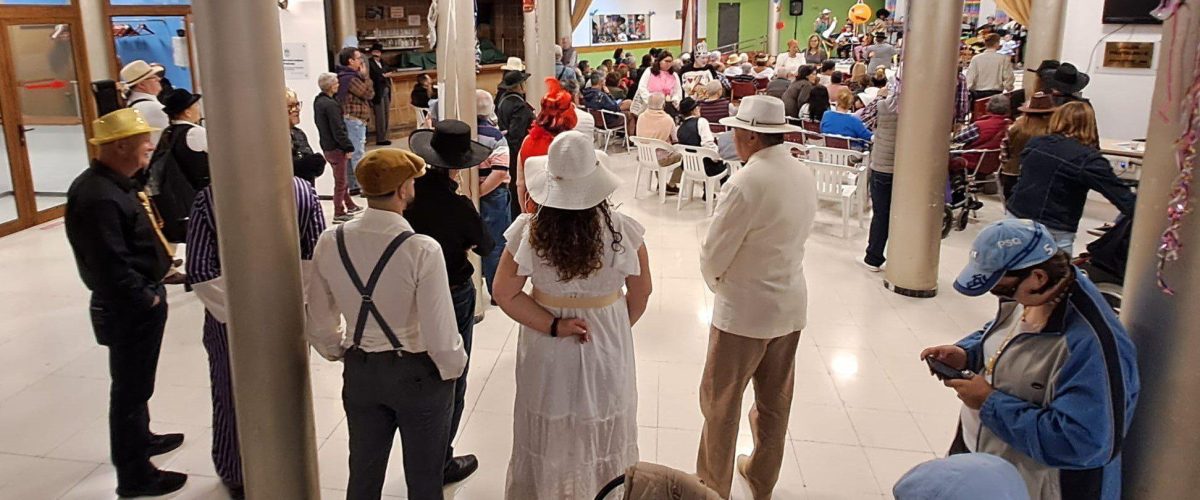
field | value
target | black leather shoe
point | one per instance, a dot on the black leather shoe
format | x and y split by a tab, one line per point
460	468
165	443
160	483
383	143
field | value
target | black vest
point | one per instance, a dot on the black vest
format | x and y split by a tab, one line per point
689	132
193	164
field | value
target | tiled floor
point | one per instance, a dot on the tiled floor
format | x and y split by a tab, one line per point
865	408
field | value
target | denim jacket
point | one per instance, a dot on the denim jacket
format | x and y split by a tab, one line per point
1056	174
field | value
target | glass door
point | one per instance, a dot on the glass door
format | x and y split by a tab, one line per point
50	108
8	192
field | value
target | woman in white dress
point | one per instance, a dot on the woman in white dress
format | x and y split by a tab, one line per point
575	415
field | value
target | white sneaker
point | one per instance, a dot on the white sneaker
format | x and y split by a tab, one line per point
871	268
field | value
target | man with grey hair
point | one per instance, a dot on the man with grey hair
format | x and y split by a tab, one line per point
584	122
563	72
335	144
987	132
781	82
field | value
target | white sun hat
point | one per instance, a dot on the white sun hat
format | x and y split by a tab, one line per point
761	113
576	175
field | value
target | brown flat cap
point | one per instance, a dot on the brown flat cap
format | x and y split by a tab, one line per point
383	171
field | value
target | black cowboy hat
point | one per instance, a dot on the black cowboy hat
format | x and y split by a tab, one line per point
177	101
1045	68
512	79
448	145
1067	79
376	46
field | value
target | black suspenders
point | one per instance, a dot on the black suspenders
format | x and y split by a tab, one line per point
368	289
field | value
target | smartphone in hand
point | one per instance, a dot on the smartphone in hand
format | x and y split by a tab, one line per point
943	371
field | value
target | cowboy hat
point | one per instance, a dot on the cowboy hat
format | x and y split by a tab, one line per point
120	124
761	113
733	60
1046	67
448	145
176	101
1067	79
576	175
512	78
1040	104
513	64
139	70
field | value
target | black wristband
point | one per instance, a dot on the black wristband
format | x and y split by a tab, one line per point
554	328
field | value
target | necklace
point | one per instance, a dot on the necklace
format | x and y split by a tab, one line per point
990	367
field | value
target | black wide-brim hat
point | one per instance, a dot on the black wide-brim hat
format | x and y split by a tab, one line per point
512	79
177	101
1067	79
448	145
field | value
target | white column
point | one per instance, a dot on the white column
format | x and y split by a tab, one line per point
1046	22
562	19
773	7
688	35
97	37
250	152
539	50
345	22
1163	447
923	146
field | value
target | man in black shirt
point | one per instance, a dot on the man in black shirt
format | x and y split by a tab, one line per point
122	258
514	116
381	78
438	211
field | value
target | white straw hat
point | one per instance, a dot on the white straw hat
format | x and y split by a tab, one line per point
761	113
513	64
576	175
136	71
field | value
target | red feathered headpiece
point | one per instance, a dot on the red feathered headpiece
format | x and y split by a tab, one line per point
558	108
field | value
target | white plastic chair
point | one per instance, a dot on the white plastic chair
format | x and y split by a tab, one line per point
602	127
849	158
647	157
839	183
799	151
693	174
422	117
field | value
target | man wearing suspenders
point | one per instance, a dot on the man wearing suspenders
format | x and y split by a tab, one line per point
403	352
144	82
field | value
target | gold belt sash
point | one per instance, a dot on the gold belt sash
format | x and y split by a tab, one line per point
560	302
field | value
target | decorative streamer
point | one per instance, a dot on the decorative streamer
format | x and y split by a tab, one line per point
1186	155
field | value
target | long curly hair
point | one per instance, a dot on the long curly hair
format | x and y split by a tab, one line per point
572	241
558	108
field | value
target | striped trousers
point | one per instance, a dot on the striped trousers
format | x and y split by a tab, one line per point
227	458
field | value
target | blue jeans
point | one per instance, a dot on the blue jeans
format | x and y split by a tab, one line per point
493	208
463	296
881	211
1065	240
357	129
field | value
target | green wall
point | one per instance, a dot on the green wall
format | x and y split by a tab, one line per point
754	15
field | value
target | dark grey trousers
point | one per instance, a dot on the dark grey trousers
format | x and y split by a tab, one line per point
383	393
382	117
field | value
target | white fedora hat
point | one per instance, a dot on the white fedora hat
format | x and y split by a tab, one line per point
136	71
574	175
761	113
513	64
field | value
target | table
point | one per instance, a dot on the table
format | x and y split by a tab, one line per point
1123	148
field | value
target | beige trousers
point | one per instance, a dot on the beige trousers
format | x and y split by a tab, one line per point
733	362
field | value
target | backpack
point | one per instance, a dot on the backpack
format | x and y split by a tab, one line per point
169	188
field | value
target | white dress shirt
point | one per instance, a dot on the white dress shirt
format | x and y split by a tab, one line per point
413	294
753	256
197	136
788	61
152	111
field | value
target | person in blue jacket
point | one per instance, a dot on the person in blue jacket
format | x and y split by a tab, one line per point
596	96
1053	379
841	120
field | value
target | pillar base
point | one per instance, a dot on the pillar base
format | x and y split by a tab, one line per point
918	294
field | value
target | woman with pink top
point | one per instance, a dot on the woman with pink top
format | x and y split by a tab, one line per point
661	79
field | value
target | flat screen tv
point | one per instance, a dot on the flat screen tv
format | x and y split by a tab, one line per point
1130	12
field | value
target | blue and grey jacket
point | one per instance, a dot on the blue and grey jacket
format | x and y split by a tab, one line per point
1063	397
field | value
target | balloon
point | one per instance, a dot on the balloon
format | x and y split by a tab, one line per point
860	13
779	26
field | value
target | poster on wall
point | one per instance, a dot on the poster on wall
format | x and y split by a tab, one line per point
616	28
295	65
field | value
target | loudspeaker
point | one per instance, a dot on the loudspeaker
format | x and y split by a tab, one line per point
796	7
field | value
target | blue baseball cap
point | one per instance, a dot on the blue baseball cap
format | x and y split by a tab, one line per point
1001	247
